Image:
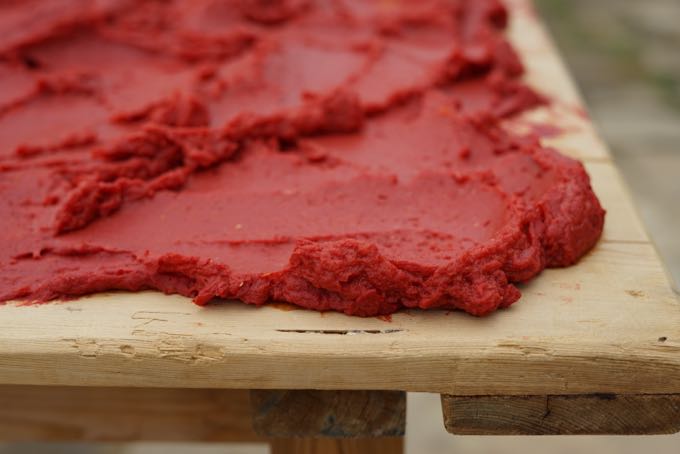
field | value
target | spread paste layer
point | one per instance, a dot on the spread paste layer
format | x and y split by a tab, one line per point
344	155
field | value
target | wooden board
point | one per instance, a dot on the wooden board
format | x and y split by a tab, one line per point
85	414
585	414
609	325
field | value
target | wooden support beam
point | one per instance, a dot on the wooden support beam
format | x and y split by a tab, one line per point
392	445
614	414
335	414
63	413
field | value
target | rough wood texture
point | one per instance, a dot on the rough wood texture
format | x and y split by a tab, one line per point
338	446
562	415
609	324
337	414
62	413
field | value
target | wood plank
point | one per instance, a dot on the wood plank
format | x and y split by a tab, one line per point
338	446
62	413
335	414
610	324
607	325
593	414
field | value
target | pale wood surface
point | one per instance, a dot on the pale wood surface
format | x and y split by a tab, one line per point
609	324
594	414
70	413
334	414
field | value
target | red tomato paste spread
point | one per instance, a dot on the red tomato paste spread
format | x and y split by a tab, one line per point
345	155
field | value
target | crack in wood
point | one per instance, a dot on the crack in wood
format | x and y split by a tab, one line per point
347	332
547	411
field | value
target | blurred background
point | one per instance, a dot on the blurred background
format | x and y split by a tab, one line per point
625	56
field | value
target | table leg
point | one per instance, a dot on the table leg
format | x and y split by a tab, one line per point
335	414
347	422
391	445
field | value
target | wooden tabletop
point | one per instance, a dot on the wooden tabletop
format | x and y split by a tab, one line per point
610	324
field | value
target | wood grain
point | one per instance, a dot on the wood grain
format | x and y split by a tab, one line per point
562	415
338	446
610	324
62	413
336	414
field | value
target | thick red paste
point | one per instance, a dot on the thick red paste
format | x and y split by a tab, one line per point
343	155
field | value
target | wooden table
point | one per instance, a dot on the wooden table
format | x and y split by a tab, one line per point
593	348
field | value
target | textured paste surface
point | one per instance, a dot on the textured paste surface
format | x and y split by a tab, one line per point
343	155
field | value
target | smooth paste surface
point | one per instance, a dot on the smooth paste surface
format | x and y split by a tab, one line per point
343	155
